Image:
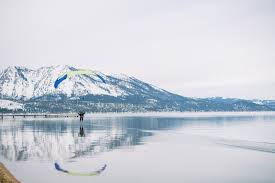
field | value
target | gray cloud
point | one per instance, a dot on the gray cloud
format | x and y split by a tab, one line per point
194	48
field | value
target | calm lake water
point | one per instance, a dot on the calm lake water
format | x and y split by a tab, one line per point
164	148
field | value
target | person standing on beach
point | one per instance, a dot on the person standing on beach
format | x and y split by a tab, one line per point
81	115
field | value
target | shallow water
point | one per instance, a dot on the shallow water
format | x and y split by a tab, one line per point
157	148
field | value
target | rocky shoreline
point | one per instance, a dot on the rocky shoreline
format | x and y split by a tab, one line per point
6	176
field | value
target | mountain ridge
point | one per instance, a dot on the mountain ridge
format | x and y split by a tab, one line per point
120	93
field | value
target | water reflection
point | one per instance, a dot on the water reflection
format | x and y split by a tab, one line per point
63	140
81	131
22	140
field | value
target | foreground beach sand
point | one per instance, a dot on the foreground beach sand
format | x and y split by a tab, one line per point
6	176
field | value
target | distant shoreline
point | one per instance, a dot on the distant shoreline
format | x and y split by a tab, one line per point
182	114
6	176
135	114
38	115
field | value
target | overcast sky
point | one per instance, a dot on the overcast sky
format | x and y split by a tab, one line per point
193	48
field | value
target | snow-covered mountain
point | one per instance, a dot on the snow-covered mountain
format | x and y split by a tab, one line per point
24	83
35	88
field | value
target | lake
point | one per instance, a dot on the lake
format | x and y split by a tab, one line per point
157	147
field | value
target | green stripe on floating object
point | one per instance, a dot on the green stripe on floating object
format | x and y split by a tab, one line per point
58	168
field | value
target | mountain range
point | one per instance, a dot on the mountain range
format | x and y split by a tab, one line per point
32	90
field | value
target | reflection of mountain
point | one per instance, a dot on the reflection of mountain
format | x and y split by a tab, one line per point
51	140
58	139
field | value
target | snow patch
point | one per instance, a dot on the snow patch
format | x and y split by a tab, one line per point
7	104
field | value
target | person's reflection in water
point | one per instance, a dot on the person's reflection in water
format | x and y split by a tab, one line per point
81	131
